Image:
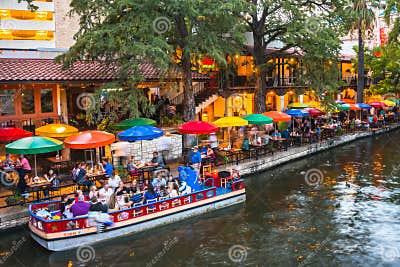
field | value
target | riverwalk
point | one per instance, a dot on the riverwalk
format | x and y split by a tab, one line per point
18	215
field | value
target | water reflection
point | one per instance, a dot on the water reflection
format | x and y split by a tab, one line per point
351	219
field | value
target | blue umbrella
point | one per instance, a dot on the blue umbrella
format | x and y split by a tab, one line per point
363	106
139	133
297	113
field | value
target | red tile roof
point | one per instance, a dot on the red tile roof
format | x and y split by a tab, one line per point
29	70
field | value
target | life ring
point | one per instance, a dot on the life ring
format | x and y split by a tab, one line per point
9	178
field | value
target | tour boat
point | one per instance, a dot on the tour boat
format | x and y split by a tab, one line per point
65	234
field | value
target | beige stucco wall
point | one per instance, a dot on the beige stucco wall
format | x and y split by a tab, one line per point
66	26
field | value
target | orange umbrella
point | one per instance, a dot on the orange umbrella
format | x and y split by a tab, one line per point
89	139
277	116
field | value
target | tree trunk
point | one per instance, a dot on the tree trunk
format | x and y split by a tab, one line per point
360	78
261	73
189	108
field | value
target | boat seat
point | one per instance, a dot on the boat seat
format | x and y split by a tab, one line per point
176	202
151	208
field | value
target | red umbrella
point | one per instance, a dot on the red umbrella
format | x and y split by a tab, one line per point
12	134
377	104
89	139
314	112
197	127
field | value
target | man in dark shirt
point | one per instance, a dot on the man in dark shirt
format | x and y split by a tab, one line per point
157	161
97	206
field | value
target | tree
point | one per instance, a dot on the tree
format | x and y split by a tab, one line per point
274	21
385	68
392	6
171	35
361	17
319	65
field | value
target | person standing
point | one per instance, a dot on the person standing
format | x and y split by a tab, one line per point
25	168
164	145
196	160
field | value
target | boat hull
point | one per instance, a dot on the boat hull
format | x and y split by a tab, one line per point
77	238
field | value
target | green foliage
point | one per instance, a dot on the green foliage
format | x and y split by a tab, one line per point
309	26
125	33
110	106
385	68
392	6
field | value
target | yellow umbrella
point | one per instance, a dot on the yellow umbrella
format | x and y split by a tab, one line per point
230	122
389	103
56	130
297	105
313	104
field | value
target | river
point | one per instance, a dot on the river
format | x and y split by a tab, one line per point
336	208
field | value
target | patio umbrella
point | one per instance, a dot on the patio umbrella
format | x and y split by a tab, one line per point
363	106
126	124
230	122
297	105
34	145
197	127
88	140
314	112
258	119
340	102
389	103
354	107
297	113
140	133
313	104
277	116
377	104
394	100
344	107
11	134
56	130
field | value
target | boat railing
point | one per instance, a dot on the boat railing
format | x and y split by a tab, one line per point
79	223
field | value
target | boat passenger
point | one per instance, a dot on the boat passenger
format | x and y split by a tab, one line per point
173	190
150	194
105	194
145	185
121	189
81	207
162	191
123	202
134	187
97	206
159	180
67	214
93	192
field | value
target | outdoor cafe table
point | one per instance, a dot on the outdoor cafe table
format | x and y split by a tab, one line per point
232	154
96	177
36	188
279	142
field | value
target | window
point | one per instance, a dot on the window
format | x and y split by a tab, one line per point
46	100
7	106
27	101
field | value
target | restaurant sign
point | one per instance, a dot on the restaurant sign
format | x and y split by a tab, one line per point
208	63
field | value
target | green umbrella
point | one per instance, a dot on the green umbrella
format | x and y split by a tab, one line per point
344	107
34	145
394	100
126	124
258	119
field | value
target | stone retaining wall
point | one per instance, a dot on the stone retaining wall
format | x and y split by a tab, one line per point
279	158
145	149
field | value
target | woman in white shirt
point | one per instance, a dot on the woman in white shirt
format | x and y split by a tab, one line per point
93	192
